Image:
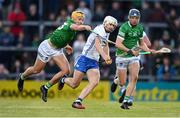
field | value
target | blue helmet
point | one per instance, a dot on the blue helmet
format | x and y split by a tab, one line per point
134	12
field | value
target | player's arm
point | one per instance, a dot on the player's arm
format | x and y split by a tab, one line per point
106	49
101	51
144	47
120	38
146	39
80	27
120	45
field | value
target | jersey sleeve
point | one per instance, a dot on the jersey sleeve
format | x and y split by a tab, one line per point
142	33
99	31
122	31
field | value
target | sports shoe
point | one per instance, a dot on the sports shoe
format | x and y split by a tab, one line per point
129	103
44	93
113	87
124	105
78	105
122	97
60	85
20	83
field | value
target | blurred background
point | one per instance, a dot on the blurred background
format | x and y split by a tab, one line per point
24	24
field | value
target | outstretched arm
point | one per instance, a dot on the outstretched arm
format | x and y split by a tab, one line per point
80	27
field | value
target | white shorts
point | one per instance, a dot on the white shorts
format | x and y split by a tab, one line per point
46	52
123	63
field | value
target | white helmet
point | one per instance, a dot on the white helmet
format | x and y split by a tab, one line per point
111	20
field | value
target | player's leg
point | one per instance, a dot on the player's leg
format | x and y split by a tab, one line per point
63	64
80	70
41	60
131	98
121	72
75	81
114	83
122	75
36	68
133	76
93	77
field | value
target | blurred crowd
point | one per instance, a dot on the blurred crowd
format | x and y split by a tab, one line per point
163	67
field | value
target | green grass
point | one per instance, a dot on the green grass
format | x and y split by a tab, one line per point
62	108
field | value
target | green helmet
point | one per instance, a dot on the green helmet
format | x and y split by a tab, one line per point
134	12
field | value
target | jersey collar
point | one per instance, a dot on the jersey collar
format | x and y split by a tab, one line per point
129	24
69	19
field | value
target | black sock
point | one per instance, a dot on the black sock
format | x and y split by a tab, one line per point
63	78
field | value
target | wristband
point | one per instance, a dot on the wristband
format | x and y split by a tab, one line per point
130	52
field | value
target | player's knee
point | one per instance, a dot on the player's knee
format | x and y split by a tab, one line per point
65	71
122	82
95	83
35	70
74	85
135	79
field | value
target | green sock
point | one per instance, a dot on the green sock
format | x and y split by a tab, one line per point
22	77
48	85
126	98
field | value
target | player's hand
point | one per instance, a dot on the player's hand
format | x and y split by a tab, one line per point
108	60
135	53
88	28
68	49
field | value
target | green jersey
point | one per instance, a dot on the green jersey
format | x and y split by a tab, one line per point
131	36
62	35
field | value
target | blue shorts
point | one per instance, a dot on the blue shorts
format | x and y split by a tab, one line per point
84	63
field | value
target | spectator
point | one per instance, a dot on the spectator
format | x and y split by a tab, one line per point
145	12
116	11
166	40
165	71
99	13
36	41
83	8
172	15
32	13
16	67
6	38
157	14
22	40
62	17
16	17
32	16
78	45
70	8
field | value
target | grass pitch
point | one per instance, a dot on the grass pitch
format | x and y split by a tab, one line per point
94	108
